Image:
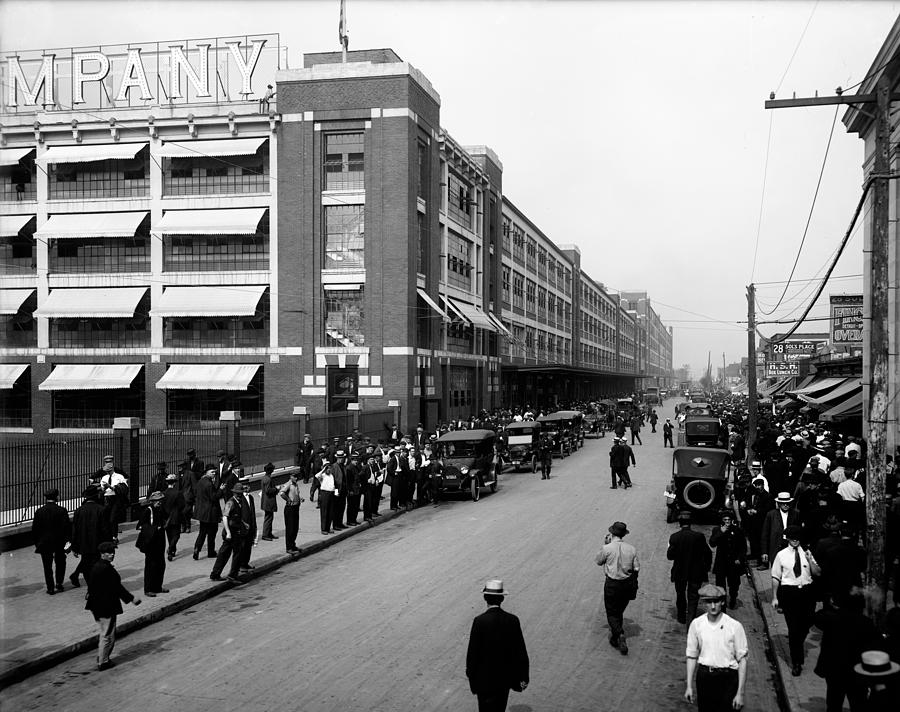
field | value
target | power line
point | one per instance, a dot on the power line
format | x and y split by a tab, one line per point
799	42
762	196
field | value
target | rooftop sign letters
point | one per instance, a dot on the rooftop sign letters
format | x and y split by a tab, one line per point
177	72
846	318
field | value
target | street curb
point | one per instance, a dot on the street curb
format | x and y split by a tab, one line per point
264	566
784	704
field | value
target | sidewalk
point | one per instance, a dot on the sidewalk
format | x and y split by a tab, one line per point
805	693
38	631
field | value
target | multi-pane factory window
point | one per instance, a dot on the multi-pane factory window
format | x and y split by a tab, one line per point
344	161
459	262
344	237
344	318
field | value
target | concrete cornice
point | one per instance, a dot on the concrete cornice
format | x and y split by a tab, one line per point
357	70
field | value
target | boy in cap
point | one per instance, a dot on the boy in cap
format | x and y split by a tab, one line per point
621	566
51	530
105	596
717	655
496	659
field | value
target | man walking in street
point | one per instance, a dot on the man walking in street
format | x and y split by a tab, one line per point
173	505
793	595
717	654
636	423
151	542
105	596
731	555
290	493
667	434
496	659
268	502
691	559
234	536
621	566
50	531
89	530
776	521
620	456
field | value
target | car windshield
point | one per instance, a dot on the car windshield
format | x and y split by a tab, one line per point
513	432
458	449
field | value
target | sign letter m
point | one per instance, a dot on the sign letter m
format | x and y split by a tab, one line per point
43	79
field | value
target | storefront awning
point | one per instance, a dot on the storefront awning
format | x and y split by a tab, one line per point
11	300
91	152
202	149
11	156
93	303
85	225
473	314
10	373
237	300
499	324
818	386
11	224
453	311
91	377
229	221
834	396
850	408
433	304
775	387
208	376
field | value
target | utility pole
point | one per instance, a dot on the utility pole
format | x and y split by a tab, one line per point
877	316
751	373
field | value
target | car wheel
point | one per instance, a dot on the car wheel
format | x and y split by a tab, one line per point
474	489
699	494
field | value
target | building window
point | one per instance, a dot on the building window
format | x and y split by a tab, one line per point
101	179
343	387
344	318
235	332
422	243
507	236
344	161
101	333
459	262
15	403
460	200
518	291
208	175
17	182
461	390
506	276
530	296
518	244
208	253
344	237
98	408
17	253
459	337
202	407
424	159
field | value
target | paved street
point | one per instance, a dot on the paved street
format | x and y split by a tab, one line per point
381	620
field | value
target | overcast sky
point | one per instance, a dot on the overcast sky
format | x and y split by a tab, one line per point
634	130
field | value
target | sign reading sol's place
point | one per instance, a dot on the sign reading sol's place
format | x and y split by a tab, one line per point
160	73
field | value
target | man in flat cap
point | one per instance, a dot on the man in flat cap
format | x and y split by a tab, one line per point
691	559
104	599
621	566
234	535
716	655
496	659
113	479
151	542
268	501
173	506
89	529
51	530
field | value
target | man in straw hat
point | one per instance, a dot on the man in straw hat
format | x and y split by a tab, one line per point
879	673
716	655
621	566
772	540
496	660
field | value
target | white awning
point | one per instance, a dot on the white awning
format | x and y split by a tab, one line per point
229	221
848	409
84	225
451	307
87	377
84	153
11	156
237	300
433	304
499	324
11	300
97	303
342	286
11	224
208	376
219	147
816	387
474	314
835	396
9	374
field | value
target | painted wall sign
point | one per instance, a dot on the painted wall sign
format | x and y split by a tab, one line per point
161	73
846	318
782	369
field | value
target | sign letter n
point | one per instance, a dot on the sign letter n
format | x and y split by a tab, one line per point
43	79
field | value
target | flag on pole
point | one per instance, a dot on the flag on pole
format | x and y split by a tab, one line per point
343	37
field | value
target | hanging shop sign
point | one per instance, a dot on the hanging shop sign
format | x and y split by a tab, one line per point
846	318
781	369
111	76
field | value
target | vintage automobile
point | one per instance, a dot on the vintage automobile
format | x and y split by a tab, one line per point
594	423
465	460
699	481
523	442
698	408
564	426
702	431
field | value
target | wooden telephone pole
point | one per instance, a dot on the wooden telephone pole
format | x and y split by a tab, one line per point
751	373
877	317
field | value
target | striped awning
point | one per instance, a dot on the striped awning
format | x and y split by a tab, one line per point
10	225
208	376
433	304
236	300
228	221
473	314
85	225
819	386
85	153
10	373
91	377
11	156
94	302
11	300
219	147
834	396
845	410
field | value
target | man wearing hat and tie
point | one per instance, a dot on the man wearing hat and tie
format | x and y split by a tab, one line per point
268	502
771	539
151	542
717	655
691	558
667	434
496	659
50	530
234	535
621	566
793	594
89	529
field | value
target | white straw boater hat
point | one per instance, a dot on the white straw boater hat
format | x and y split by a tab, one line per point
495	588
876	663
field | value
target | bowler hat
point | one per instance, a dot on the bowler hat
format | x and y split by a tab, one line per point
106	547
876	663
711	592
495	588
618	529
220	453
108	458
793	532
156	496
90	492
340	453
52	493
269	467
192	452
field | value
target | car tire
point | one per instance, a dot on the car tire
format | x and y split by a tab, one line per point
474	489
705	487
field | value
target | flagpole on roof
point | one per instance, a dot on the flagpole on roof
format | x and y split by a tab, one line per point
343	35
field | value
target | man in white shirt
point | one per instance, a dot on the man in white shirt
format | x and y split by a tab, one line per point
717	654
792	591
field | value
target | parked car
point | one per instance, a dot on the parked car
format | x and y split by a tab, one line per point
523	441
699	481
465	462
564	426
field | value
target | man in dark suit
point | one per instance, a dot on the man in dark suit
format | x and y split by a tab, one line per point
496	661
51	529
208	512
89	529
104	599
771	539
691	559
